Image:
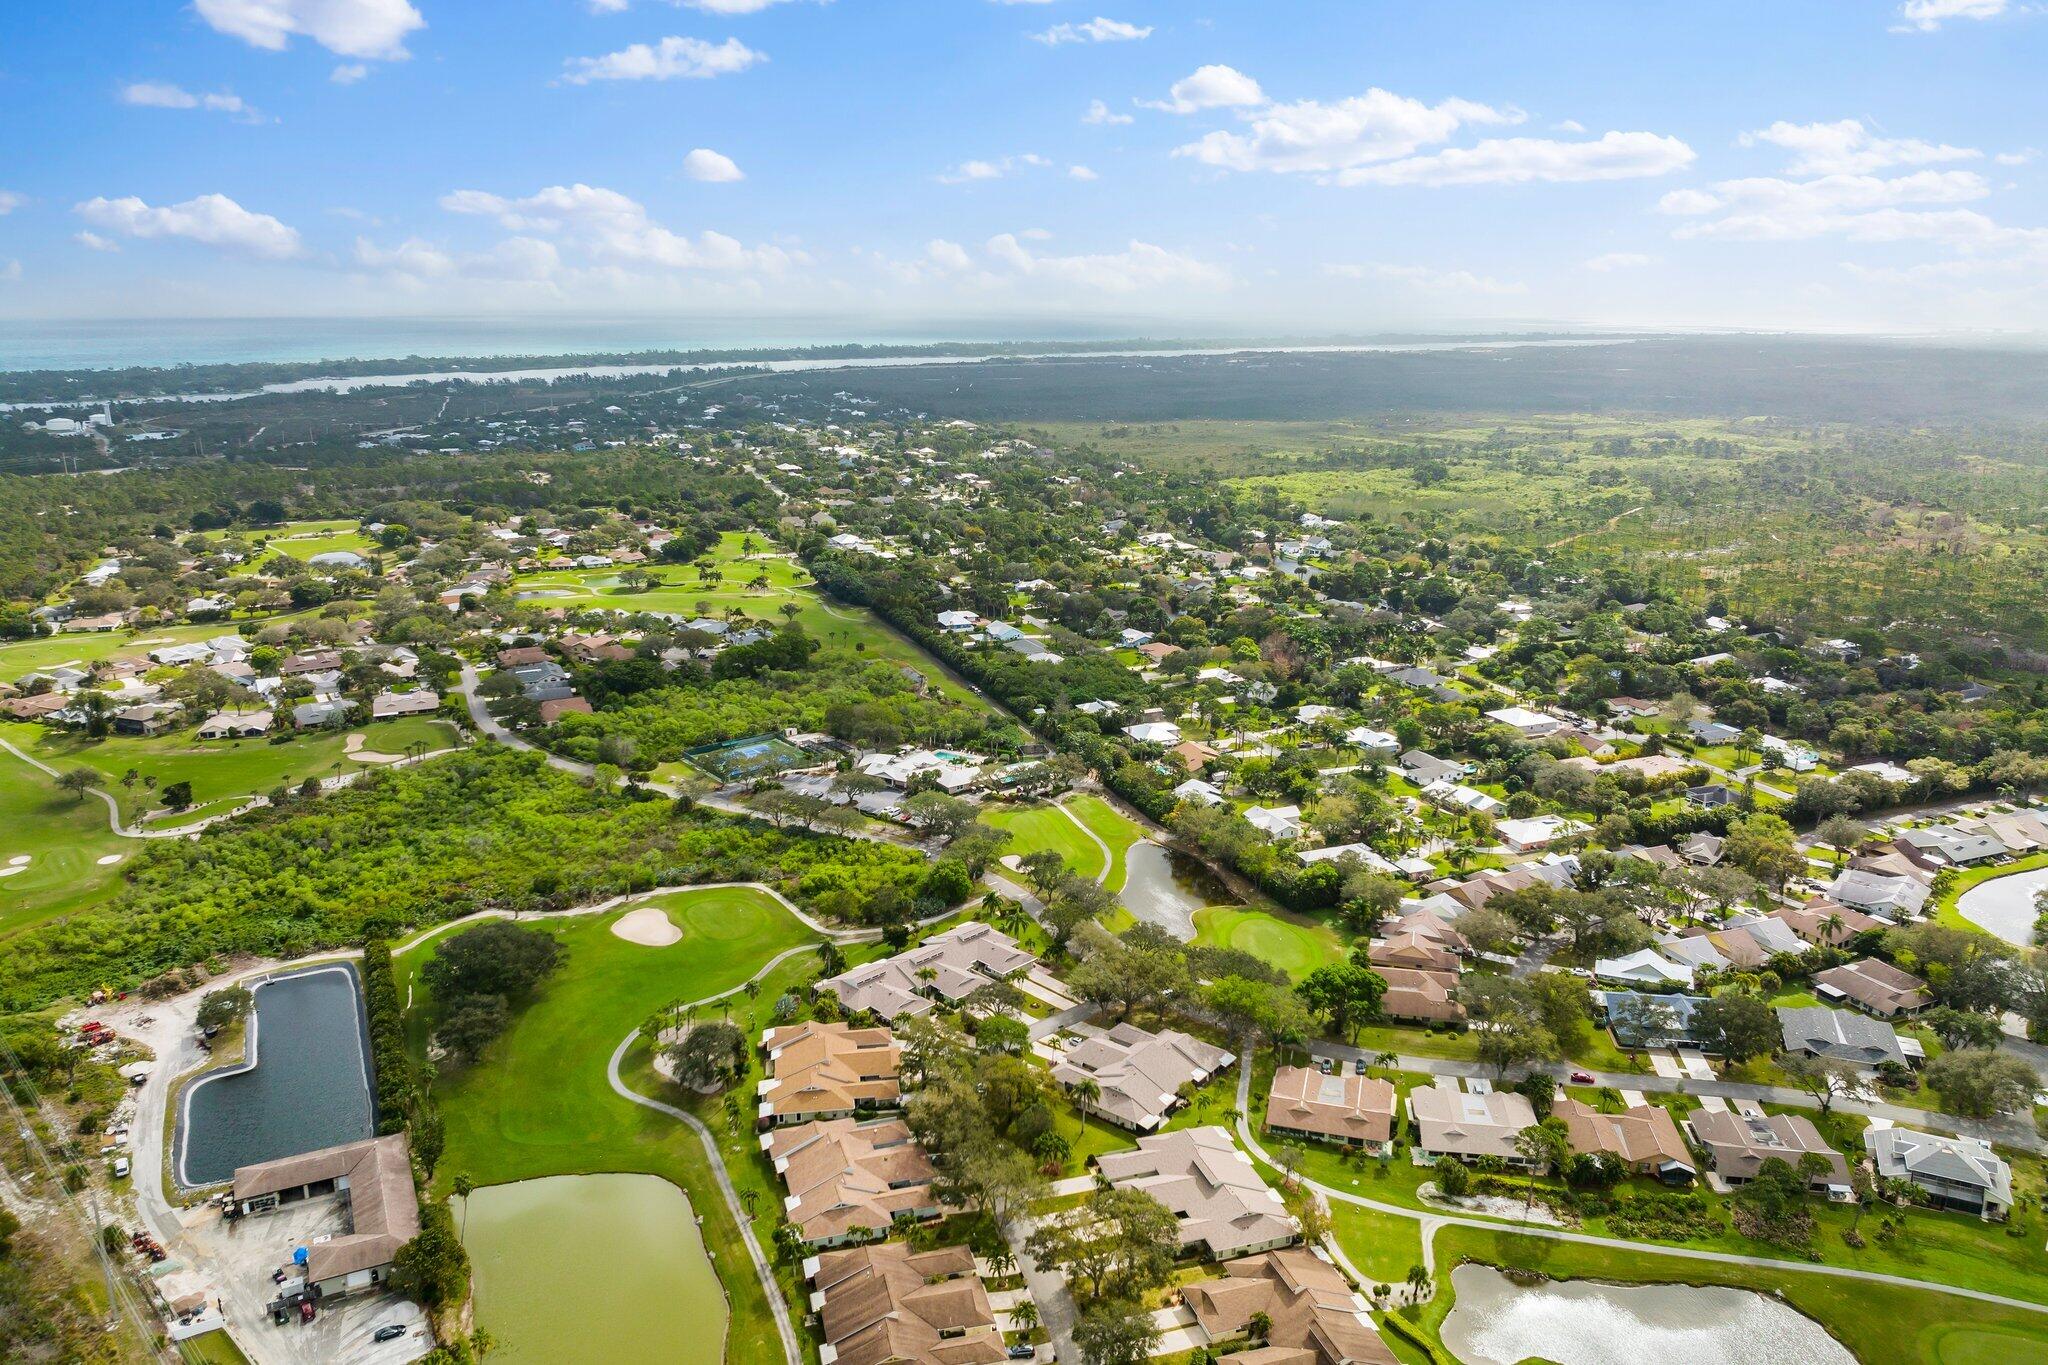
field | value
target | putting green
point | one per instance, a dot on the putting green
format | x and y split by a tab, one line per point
1295	946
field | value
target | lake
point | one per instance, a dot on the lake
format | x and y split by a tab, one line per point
2005	905
1496	1321
593	1267
304	1085
1166	887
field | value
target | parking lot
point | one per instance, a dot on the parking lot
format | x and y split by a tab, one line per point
240	1257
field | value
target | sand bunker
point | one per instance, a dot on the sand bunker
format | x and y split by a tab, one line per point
110	859
649	926
10	871
352	747
18	860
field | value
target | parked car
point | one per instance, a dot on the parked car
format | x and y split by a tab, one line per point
1358	1066
390	1331
120	1168
1325	1065
1582	1078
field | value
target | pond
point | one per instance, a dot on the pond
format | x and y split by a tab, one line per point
588	1267
1166	887
2005	905
304	1085
1496	1321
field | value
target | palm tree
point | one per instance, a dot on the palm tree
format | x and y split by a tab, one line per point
464	1187
1024	1316
1085	1093
1259	1326
1418	1282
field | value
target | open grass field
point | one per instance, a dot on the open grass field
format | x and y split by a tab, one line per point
63	837
1110	826
539	1103
19	657
222	771
333	536
1043	827
1877	1322
1295	945
677	589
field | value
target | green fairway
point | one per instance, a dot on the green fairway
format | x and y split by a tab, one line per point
539	1103
1294	945
220	771
1110	826
304	539
21	657
1044	827
63	837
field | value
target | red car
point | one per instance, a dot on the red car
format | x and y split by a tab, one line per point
1582	1078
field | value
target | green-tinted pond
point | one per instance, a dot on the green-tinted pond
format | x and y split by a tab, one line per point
585	1267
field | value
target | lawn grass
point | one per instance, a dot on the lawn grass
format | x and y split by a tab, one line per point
1112	827
1292	943
221	770
1382	1245
211	1348
21	657
1877	1322
1039	827
323	538
539	1103
63	836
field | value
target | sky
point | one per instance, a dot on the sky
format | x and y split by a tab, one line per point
1283	167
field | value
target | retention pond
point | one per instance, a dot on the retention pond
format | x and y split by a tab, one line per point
592	1267
304	1084
1499	1321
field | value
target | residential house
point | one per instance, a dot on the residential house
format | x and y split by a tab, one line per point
1817	1031
1310	1313
1417	952
1420	997
1138	1076
1953	846
1524	722
1161	732
1377	741
1826	923
1426	769
315	661
1278	822
1200	792
849	1180
554	708
1644	967
1639	1020
313	715
886	1304
1875	987
1223	1207
151	718
1456	796
1454	1122
1889	898
237	725
388	705
1737	1146
1644	1139
827	1071
1526	836
1192	755
1355	1110
1959	1172
962	958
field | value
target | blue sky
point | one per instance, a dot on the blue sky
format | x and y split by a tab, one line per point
1293	165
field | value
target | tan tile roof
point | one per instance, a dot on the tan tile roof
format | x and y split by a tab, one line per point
1739	1144
827	1068
1316	1317
844	1174
1347	1108
1448	1120
1878	986
1139	1073
1420	995
1209	1184
885	1304
1645	1136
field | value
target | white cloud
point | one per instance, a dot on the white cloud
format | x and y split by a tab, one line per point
94	241
9	202
1928	15
1098	112
948	255
968	172
1139	266
1768	209
166	95
212	219
670	59
1097	30
1426	277
1311	136
612	228
713	167
1210	87
347	28
518	259
1522	160
1848	148
348	73
1610	261
1570	125
11	272
609	6
1081	173
732	6
2018	158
